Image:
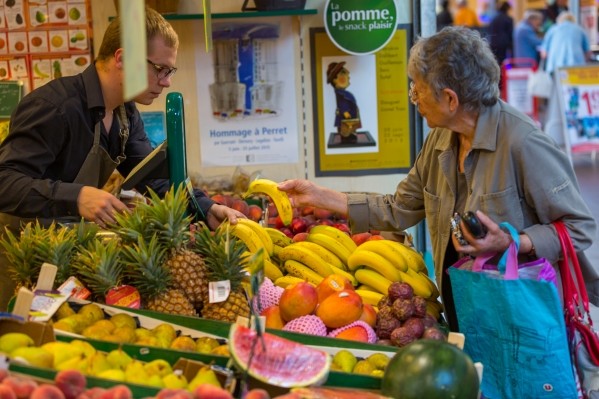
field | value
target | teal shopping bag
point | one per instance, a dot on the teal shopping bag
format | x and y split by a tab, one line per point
514	326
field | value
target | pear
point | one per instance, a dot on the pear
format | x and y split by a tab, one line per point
175	381
158	367
184	343
62	351
124	319
165	330
123	335
98	363
113	374
35	356
141	332
206	344
86	347
118	359
204	376
345	360
63	326
379	360
363	367
79	363
155	381
14	340
135	373
63	311
93	311
147	341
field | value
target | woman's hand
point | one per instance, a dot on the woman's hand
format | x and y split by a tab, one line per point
495	241
303	192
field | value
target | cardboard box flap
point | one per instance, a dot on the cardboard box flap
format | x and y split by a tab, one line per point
39	332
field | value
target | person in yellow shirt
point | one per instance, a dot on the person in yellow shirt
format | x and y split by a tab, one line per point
465	16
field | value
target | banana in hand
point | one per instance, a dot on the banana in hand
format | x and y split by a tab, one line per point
278	197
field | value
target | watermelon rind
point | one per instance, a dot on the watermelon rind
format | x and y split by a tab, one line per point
280	362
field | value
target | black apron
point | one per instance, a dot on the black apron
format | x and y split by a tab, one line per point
95	172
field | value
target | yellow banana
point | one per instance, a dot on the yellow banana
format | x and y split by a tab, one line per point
271	270
307	257
370	297
298	269
278	197
276	250
417	282
434	308
260	232
363	257
433	286
373	279
251	240
332	245
387	251
414	260
349	276
365	287
337	234
287	280
278	237
323	252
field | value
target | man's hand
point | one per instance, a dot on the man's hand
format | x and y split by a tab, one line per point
303	192
218	213
99	206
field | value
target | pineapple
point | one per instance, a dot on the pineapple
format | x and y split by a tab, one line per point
99	267
224	257
144	267
57	246
21	253
167	219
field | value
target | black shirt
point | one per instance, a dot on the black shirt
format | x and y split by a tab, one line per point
51	133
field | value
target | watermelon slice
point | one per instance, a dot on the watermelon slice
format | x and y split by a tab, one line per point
279	362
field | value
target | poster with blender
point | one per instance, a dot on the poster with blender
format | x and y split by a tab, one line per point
247	104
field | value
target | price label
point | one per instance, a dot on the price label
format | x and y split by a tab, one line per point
218	291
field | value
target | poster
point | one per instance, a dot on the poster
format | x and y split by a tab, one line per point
361	108
579	93
247	97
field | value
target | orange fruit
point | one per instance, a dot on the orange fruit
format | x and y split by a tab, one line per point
355	333
297	300
332	284
368	315
56	41
340	309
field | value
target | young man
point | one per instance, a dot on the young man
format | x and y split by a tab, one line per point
68	136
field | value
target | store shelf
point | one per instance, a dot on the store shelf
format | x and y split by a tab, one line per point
247	14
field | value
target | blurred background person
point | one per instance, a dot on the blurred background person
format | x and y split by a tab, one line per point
501	30
526	39
553	10
565	44
444	17
465	16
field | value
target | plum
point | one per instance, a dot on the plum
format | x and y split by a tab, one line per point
403	309
402	336
415	325
386	325
434	333
401	290
419	306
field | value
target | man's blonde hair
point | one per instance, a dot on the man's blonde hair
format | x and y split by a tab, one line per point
156	26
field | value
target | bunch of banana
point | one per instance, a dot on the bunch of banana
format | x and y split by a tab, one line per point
323	252
381	262
332	244
288	280
434	308
278	237
298	269
251	236
336	234
271	270
370	297
307	257
278	197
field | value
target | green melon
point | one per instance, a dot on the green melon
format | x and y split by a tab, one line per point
278	361
430	369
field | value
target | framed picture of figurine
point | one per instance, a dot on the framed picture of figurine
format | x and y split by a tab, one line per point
362	123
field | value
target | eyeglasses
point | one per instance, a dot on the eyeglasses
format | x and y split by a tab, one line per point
413	94
162	72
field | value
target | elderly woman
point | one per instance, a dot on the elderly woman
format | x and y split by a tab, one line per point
480	155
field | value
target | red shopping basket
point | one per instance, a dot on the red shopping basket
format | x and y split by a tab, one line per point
514	75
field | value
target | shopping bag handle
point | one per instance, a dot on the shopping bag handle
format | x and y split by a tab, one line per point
508	264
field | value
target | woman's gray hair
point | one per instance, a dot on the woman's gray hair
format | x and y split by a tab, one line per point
459	59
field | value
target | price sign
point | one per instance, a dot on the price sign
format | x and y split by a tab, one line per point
579	92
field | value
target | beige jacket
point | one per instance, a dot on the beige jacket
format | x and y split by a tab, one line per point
515	174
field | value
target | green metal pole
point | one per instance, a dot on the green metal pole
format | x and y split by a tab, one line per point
175	139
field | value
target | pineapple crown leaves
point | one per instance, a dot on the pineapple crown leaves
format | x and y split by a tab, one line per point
85	233
169	217
99	266
222	253
20	252
58	247
131	226
144	267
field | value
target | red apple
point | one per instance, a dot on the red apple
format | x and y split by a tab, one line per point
328	222
240	205
343	227
307	210
374	237
222	199
299	225
272	210
321	213
287	231
300	236
359	238
254	212
374	232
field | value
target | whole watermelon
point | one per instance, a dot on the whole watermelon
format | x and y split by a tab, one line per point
430	369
